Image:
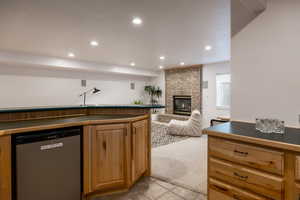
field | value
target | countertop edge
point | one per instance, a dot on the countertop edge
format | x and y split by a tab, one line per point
8	132
253	140
16	110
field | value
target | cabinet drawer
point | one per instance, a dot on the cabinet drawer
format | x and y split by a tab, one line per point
221	191
216	195
257	157
246	178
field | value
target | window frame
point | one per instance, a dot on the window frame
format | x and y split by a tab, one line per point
219	107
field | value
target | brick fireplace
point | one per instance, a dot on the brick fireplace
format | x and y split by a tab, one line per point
184	83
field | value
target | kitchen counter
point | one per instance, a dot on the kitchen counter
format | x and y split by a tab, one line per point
116	131
8	128
246	132
67	107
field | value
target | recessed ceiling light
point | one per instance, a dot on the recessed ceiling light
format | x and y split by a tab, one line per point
182	63
94	43
161	67
132	64
208	47
71	55
137	21
162	57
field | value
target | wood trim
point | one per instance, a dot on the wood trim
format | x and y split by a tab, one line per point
93	195
149	169
87	133
297	170
208	169
52	114
69	124
255	141
289	176
119	111
33	115
5	168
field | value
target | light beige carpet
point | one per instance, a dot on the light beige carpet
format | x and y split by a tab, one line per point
183	163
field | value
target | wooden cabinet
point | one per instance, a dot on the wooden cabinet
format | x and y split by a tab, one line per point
5	168
106	157
115	156
240	158
252	156
222	191
248	178
244	171
139	149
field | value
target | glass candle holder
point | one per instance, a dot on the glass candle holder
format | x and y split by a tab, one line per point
267	125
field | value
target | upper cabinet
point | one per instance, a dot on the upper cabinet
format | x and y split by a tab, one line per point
140	142
5	168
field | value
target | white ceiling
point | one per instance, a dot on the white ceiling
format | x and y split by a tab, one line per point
177	29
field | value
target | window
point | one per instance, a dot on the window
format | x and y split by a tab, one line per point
223	91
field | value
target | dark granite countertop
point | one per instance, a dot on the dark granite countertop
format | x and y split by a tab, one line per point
8	128
47	108
246	132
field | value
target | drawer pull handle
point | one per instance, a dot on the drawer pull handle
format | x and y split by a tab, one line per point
240	176
241	153
104	145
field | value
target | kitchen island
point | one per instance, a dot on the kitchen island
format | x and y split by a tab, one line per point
244	163
118	131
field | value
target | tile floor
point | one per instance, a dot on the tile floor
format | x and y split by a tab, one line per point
154	189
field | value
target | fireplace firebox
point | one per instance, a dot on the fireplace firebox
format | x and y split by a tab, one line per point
182	105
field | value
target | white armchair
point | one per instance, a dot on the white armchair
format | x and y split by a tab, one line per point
191	127
160	127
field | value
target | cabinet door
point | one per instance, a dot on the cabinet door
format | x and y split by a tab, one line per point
5	167
109	156
140	149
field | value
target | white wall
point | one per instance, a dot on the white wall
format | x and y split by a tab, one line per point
209	109
265	65
33	87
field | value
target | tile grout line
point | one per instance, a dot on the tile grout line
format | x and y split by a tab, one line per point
175	186
168	190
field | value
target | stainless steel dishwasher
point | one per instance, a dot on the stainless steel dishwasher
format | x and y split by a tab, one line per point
48	165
